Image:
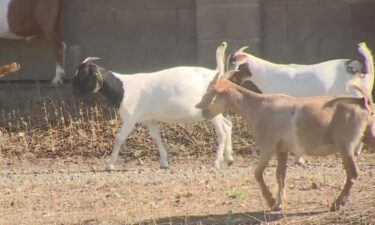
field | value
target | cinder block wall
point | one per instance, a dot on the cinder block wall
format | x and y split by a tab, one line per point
146	35
308	31
131	35
236	21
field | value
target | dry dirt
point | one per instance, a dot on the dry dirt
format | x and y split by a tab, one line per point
76	190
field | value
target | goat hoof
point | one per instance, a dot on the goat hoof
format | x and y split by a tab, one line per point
110	167
299	161
334	207
217	165
230	162
277	208
164	167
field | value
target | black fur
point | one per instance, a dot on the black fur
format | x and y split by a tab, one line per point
112	88
86	81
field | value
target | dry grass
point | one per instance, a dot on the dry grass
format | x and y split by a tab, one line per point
60	129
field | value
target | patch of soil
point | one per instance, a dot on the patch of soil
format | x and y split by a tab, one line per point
76	190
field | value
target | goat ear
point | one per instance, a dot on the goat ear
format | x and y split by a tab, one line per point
240	58
221	86
90	59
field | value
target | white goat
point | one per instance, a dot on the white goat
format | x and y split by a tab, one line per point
168	96
316	126
326	78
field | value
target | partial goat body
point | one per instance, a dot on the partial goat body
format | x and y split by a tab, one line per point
165	96
25	19
316	126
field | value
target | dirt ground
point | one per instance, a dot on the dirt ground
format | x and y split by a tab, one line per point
76	190
52	160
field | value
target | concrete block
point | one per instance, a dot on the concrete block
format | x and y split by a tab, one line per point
10	52
73	57
333	21
342	2
187	26
170	4
146	26
94	48
161	26
89	5
233	22
37	60
89	25
303	22
277	51
166	56
127	59
290	2
299	52
275	23
130	26
363	20
227	2
333	49
305	52
72	5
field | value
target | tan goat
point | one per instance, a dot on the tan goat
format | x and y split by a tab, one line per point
316	126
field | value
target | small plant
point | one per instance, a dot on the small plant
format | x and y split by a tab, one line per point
235	193
184	195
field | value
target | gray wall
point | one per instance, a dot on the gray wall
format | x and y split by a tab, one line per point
146	35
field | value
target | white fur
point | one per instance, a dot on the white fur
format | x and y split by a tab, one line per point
326	78
168	96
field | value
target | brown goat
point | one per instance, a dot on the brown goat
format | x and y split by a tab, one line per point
316	126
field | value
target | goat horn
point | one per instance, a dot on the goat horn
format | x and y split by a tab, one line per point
90	59
242	49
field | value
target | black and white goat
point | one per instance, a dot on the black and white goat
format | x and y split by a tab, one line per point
169	96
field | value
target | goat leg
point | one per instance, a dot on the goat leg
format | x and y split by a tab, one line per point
351	177
282	159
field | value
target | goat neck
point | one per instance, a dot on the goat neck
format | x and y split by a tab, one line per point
239	99
112	87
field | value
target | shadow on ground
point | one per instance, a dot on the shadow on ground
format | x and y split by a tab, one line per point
247	218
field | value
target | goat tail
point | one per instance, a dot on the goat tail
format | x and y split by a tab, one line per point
368	64
356	84
220	58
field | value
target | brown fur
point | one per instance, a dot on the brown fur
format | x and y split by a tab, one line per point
319	125
38	17
11	68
